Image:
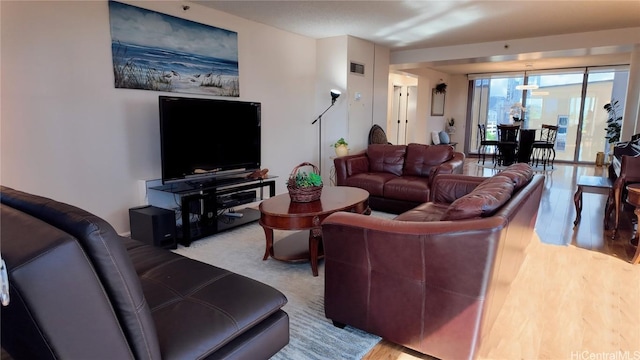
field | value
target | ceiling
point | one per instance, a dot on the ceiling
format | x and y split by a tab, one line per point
405	25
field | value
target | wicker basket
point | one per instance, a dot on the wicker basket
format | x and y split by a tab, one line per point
303	194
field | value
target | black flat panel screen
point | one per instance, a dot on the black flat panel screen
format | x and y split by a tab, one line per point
202	138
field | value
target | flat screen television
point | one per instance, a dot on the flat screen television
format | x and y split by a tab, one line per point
206	138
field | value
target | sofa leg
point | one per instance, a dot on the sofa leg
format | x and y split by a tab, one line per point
339	324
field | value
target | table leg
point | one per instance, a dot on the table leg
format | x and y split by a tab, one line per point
636	257
608	209
269	248
315	236
577	200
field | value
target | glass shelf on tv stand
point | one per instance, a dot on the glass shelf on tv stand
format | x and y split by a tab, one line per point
187	187
208	191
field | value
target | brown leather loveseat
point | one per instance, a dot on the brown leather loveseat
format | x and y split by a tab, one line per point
397	177
434	278
80	291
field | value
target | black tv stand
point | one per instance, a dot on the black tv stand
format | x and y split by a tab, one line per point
209	201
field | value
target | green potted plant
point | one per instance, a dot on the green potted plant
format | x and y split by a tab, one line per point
441	88
305	179
304	186
614	122
341	147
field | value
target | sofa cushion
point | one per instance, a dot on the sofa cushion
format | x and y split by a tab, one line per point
483	201
519	173
197	303
421	158
372	182
428	211
407	188
386	158
435	138
444	137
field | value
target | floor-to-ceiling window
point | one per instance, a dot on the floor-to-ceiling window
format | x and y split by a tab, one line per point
572	99
492	99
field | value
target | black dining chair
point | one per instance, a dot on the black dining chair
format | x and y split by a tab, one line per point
485	144
507	144
543	150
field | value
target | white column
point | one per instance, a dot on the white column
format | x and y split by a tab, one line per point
632	103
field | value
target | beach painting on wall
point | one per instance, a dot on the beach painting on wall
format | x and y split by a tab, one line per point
154	51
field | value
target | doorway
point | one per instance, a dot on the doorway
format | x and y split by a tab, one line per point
401	124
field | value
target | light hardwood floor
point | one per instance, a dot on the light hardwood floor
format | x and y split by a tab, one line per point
576	295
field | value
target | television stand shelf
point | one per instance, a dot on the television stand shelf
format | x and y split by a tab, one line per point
210	202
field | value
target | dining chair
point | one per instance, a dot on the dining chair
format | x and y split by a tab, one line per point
484	144
507	144
377	135
543	150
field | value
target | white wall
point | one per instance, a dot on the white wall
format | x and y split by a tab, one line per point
350	118
332	74
456	107
67	133
380	85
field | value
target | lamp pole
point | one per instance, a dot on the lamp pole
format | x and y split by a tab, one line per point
319	119
334	95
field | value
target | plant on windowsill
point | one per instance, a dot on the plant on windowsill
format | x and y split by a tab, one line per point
341	147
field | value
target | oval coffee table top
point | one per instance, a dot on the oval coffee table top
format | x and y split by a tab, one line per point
333	198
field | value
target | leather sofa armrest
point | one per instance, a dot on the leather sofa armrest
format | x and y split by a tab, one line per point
446	188
350	165
452	166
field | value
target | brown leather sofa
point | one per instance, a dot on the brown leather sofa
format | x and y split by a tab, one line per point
80	291
434	278
397	177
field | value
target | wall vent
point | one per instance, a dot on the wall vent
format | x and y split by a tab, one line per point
357	68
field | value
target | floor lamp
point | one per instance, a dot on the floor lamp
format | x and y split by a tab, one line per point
334	96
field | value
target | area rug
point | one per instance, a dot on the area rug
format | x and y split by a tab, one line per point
312	335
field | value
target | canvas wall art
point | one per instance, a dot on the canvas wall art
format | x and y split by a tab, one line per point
154	51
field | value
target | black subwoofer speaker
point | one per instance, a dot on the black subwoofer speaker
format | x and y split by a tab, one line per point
154	226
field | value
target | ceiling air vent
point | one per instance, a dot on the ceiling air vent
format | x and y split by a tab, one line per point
357	68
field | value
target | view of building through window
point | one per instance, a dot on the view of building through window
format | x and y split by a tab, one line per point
571	99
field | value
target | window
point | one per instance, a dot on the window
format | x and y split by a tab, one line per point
573	99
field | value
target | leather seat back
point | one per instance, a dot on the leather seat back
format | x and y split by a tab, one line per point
421	158
58	309
386	158
108	256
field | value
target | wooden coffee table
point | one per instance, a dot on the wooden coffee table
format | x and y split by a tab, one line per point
279	212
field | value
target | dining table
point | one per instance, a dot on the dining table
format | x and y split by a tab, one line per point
525	144
515	144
